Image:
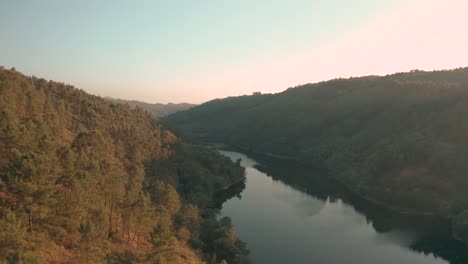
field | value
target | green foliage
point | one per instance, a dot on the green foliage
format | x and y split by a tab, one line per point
88	180
162	237
91	243
12	234
167	196
220	237
399	139
160	259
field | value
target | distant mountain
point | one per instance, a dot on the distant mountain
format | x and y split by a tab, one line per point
400	140
159	110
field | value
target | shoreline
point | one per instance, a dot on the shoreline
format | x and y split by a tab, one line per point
394	209
227	192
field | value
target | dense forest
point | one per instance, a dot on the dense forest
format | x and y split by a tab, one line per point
400	140
158	110
84	180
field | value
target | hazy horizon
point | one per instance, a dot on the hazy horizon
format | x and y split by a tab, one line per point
173	52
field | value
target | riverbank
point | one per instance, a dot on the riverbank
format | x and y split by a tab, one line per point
227	192
318	221
449	219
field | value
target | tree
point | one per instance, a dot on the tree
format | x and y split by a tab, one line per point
30	177
166	196
80	175
162	236
160	259
12	233
91	242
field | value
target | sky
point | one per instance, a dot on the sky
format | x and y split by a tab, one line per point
195	51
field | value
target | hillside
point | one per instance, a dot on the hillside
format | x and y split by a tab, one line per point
158	110
400	140
83	180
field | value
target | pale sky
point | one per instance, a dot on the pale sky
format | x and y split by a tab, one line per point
195	51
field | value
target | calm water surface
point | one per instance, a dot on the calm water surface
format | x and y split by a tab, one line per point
289	215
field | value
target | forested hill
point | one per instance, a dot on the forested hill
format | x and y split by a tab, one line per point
400	139
83	180
158	110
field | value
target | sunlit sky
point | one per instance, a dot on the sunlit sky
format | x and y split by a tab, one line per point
194	51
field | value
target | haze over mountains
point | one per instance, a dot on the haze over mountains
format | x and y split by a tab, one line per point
400	140
158	110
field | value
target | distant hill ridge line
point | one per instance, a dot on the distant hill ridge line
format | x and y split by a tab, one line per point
157	109
399	139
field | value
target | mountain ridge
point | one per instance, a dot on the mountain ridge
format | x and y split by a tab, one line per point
398	139
85	180
157	109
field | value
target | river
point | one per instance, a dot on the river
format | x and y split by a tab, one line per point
289	214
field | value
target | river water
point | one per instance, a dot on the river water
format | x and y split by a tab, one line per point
288	214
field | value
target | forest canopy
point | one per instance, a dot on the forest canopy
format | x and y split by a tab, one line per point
85	180
399	139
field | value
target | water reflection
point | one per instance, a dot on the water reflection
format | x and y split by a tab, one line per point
290	214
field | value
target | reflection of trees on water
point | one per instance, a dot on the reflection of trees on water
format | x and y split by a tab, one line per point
304	204
433	234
